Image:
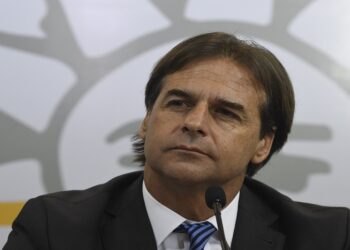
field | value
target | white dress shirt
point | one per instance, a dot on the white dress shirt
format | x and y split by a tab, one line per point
164	221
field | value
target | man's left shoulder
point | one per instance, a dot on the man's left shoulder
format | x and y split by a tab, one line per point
288	207
304	225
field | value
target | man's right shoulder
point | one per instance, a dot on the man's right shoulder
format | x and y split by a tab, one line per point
113	187
67	216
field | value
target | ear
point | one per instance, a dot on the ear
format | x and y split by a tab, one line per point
263	148
143	127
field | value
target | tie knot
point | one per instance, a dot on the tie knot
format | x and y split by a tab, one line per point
199	233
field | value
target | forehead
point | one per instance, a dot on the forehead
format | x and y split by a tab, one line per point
216	78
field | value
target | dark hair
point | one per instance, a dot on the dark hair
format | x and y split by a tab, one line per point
276	113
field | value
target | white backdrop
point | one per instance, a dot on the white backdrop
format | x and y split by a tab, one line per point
72	77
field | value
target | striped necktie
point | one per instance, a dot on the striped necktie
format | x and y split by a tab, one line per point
199	233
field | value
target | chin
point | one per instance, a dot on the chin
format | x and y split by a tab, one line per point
188	173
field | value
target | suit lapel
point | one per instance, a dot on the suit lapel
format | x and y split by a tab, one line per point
125	224
254	226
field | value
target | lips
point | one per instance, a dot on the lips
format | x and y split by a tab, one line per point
190	149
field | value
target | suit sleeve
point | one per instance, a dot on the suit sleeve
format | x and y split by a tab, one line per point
29	230
347	241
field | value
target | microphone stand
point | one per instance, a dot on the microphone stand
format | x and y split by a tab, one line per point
217	211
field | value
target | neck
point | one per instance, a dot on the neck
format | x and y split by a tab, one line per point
186	199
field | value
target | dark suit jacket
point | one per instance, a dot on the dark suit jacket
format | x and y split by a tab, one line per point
113	216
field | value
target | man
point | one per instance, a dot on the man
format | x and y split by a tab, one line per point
217	109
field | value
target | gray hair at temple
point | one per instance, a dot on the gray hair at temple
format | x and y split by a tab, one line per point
267	72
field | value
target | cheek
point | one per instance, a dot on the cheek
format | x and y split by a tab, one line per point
238	147
158	128
164	122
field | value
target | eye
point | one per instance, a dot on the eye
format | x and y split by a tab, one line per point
228	114
179	103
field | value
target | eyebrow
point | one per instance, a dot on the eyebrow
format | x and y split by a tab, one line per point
179	93
217	102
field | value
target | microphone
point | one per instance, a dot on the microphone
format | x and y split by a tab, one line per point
216	199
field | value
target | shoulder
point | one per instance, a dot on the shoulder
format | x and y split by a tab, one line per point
77	205
93	198
283	204
281	201
69	215
300	221
114	186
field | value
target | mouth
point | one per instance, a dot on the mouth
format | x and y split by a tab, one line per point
189	149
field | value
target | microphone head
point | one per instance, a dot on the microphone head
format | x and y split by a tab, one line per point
215	194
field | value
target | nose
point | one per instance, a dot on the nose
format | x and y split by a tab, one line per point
196	120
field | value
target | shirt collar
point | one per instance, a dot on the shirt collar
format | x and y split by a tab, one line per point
164	220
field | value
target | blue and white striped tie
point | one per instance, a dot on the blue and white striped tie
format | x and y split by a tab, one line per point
199	233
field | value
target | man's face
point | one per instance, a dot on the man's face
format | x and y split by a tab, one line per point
205	125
